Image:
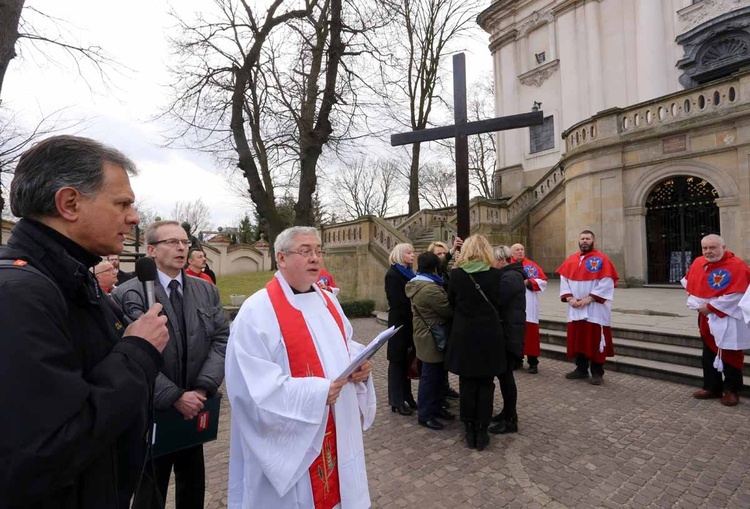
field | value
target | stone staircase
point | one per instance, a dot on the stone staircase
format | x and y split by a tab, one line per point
660	355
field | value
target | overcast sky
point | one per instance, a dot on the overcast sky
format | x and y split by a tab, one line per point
134	33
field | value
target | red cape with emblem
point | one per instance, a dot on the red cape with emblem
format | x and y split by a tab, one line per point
595	265
533	271
710	280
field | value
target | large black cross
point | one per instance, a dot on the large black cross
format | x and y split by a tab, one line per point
460	130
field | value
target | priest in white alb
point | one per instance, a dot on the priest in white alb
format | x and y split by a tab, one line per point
296	437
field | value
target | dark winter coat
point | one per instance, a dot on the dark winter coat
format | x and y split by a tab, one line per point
74	392
207	334
430	306
512	302
476	345
399	313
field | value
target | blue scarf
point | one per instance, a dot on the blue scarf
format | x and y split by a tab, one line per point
405	271
433	277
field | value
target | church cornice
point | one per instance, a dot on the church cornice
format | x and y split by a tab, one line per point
504	39
540	74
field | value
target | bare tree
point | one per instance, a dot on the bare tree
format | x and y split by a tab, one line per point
438	185
271	88
425	31
365	188
28	29
194	212
146	212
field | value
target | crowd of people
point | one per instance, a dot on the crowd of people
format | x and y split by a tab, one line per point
91	357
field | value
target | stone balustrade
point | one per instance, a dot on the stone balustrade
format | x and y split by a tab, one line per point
713	98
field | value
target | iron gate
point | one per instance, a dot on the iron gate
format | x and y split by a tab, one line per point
680	211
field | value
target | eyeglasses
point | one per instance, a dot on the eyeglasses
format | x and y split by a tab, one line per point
111	269
306	253
172	242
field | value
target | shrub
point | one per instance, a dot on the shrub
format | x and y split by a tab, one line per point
358	308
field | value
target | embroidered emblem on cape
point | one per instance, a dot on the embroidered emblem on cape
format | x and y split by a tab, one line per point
531	271
719	279
594	264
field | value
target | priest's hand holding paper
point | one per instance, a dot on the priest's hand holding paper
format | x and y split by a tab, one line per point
334	391
361	374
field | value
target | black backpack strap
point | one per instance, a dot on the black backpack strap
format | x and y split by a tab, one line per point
24	265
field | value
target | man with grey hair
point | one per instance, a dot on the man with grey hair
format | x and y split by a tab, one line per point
193	359
74	382
289	448
716	283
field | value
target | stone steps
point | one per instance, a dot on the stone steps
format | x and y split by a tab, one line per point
646	356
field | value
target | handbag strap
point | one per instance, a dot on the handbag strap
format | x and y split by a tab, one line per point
479	288
415	308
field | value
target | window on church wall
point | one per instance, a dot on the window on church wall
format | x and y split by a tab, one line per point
542	137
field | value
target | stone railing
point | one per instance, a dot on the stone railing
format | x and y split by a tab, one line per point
351	233
713	98
396	221
385	236
530	196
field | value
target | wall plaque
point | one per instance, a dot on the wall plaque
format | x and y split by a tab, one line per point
674	144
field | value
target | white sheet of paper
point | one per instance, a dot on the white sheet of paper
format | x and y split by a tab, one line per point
369	351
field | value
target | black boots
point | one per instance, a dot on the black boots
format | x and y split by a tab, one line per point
505	425
483	439
470	434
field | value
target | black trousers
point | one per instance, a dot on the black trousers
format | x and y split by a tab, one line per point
476	395
532	360
582	365
430	389
509	390
190	481
399	385
712	379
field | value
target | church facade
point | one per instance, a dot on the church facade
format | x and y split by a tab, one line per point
647	122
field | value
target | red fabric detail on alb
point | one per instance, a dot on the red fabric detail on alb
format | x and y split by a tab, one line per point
303	362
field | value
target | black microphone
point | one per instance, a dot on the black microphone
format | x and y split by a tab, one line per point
145	269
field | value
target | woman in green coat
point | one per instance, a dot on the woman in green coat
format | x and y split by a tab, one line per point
430	309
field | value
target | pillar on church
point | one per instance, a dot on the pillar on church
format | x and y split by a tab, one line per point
651	50
594	54
509	79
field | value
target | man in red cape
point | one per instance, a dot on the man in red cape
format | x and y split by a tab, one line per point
587	284
536	283
716	282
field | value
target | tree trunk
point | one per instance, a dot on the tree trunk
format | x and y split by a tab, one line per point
10	13
414	179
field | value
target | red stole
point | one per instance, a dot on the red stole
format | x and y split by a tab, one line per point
710	280
303	362
595	265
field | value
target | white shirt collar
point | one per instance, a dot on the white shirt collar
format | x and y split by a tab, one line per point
164	281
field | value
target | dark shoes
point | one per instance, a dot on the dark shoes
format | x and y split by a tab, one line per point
412	404
704	394
504	426
596	379
730	398
483	439
432	424
576	375
451	393
445	414
402	409
533	370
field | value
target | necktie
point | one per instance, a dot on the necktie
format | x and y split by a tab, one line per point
176	300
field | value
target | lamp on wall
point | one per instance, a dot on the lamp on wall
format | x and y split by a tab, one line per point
536	106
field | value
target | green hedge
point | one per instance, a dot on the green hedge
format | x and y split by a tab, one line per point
358	308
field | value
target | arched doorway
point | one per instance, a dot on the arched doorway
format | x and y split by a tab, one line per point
680	211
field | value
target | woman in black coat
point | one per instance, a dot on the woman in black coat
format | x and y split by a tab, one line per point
400	395
476	345
512	302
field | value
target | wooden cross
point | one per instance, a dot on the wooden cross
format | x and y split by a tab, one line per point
460	130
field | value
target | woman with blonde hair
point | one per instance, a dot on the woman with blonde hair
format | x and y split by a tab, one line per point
400	393
476	345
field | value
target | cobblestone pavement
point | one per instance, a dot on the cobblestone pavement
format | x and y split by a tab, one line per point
632	442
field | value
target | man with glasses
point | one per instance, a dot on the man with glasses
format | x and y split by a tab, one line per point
106	276
122	276
296	436
193	359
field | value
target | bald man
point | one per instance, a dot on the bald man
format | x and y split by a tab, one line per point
106	276
716	283
536	283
